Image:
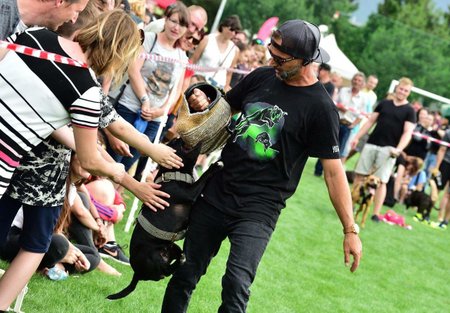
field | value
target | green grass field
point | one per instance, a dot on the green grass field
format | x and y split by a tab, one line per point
302	270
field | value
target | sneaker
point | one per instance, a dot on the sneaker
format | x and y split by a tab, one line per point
438	225
111	250
418	217
375	218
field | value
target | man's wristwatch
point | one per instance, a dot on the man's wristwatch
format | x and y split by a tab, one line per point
352	229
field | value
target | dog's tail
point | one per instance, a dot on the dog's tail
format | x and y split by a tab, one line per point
129	289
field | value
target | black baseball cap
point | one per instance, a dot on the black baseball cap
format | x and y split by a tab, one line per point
301	40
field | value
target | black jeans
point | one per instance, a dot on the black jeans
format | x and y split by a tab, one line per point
207	229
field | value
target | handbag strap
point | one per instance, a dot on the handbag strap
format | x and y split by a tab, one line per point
122	88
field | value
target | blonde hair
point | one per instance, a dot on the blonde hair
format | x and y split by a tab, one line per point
111	42
405	81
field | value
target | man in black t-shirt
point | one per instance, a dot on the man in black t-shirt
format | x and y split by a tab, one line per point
395	120
286	117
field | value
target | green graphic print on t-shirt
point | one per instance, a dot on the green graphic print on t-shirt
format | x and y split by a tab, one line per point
258	129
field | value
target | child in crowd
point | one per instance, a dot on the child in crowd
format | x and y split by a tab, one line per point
414	178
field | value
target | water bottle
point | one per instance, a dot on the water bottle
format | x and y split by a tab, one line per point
56	273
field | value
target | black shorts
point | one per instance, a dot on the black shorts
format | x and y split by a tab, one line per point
38	223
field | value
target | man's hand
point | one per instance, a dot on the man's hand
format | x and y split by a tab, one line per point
435	171
395	152
198	100
352	246
354	143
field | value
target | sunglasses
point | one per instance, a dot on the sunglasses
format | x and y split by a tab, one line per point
279	60
142	34
196	41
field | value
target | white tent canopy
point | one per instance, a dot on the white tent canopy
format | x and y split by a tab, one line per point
339	62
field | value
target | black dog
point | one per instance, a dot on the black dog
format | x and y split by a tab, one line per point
153	253
422	201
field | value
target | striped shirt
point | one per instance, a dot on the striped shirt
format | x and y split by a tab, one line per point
39	96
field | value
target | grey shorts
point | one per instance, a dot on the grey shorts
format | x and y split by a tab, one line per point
375	160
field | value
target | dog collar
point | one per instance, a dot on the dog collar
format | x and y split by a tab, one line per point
158	233
176	176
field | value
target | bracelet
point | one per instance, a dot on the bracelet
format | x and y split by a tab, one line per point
144	98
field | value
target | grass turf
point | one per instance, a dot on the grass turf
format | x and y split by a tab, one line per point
301	271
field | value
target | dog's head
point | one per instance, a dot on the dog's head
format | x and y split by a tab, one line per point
156	263
371	183
152	264
208	126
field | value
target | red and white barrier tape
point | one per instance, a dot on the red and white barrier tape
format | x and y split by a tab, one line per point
440	142
360	113
41	54
194	67
417	134
44	55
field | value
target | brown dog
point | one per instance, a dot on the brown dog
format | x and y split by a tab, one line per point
363	194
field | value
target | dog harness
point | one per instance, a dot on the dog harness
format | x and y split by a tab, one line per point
158	233
176	176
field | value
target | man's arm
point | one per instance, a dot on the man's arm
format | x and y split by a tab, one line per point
408	129
364	129
339	192
439	157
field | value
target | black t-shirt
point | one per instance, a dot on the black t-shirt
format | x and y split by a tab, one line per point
329	88
390	123
418	146
434	146
280	127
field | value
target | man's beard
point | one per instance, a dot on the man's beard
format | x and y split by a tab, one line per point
286	75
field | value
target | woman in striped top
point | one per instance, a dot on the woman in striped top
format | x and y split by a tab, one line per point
39	96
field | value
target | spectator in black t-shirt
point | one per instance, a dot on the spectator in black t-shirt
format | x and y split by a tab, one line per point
395	121
325	79
286	117
437	132
418	147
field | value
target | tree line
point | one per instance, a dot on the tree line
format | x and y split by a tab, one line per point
403	38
